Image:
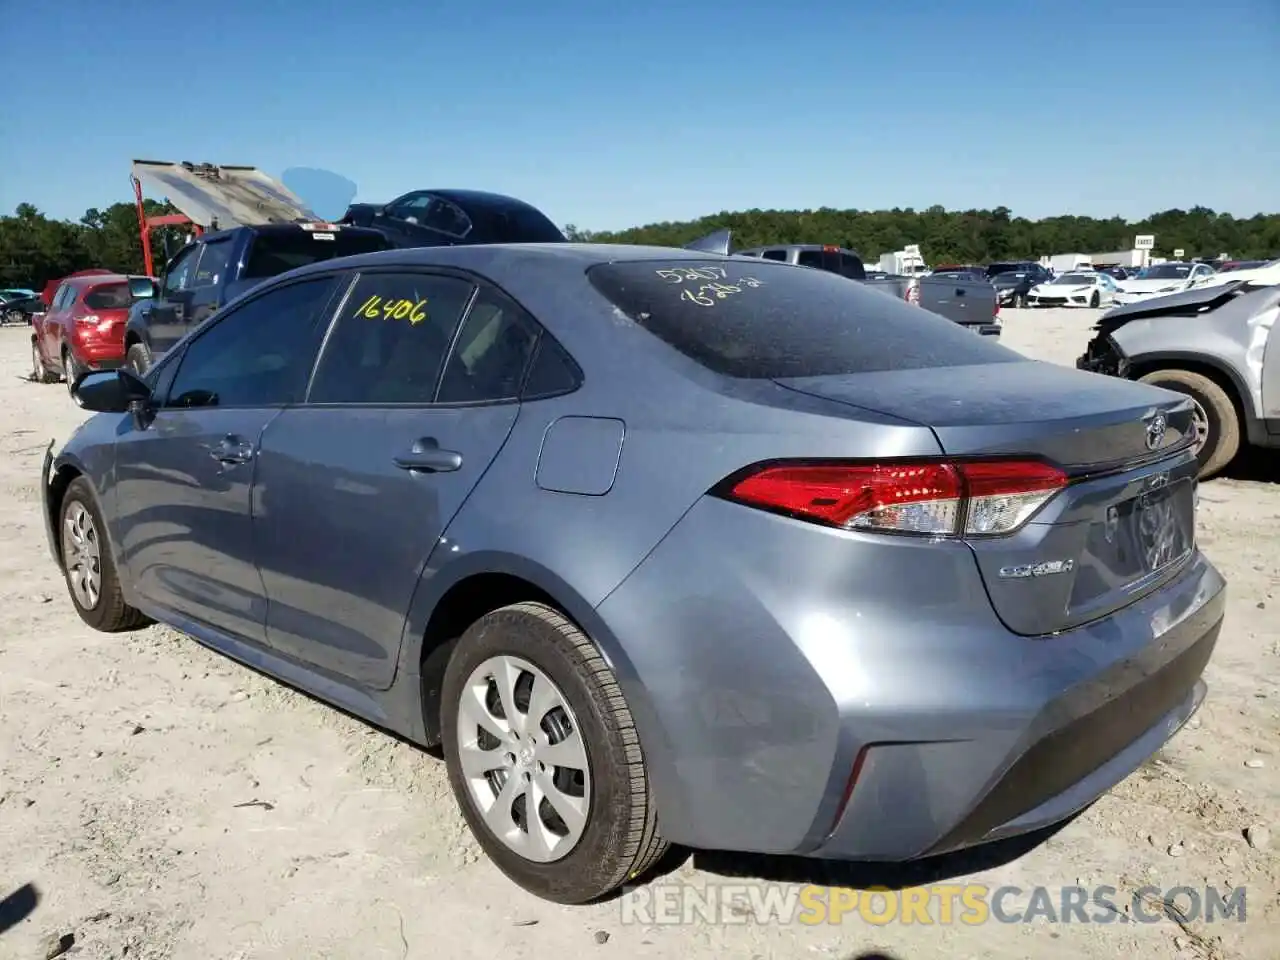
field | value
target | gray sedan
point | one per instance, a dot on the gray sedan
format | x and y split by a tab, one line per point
661	546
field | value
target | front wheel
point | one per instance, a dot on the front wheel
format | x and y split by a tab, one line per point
138	358
1216	424
1095	300
544	757
88	566
1020	301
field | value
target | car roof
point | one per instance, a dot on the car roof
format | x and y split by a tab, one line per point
479	198
492	259
98	278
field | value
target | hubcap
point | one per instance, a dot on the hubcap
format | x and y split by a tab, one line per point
82	555
1200	424
523	757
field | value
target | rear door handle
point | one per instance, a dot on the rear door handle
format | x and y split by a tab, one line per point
425	456
232	449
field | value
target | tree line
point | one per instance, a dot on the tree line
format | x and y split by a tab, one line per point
35	249
971	236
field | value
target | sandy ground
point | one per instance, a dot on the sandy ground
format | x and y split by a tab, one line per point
166	802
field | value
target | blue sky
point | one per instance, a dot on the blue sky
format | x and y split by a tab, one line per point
608	115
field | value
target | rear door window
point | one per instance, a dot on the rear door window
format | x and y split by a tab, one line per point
491	353
276	251
761	320
779	255
390	340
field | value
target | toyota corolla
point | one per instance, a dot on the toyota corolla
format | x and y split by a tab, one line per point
661	547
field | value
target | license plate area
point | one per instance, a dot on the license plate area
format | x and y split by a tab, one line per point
1137	540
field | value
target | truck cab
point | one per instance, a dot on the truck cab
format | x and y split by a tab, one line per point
217	267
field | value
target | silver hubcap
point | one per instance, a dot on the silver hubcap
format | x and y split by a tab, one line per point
1200	425
522	754
82	555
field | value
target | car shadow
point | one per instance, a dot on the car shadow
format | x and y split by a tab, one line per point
18	906
1254	464
859	875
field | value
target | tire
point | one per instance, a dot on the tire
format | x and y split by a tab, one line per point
138	358
1020	301
1215	415
12	316
1095	300
39	372
71	368
619	838
86	559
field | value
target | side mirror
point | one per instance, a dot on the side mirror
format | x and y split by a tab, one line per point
109	391
142	288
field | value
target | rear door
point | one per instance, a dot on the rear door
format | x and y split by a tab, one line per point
184	479
50	331
356	487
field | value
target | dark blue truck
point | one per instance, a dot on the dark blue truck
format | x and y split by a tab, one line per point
217	267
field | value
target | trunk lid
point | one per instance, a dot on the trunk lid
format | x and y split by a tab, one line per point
1122	528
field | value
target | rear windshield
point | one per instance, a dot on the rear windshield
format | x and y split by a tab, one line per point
516	224
998	268
764	320
111	296
279	251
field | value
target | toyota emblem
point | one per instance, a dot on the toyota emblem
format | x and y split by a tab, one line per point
1155	431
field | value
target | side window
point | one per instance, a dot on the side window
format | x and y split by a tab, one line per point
552	373
258	355
390	341
446	217
213	263
60	298
175	277
780	255
413	207
491	354
810	258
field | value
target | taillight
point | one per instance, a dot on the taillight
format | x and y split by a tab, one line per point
88	320
931	498
913	292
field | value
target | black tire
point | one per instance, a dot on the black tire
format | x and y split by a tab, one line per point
138	358
70	369
108	612
1095	299
620	839
1222	441
1020	301
39	372
12	316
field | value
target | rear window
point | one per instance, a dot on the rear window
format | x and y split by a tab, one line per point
280	251
761	320
111	296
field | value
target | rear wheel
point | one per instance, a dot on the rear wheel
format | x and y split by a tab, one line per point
1216	423
138	358
1020	301
88	566
70	369
39	372
544	757
12	316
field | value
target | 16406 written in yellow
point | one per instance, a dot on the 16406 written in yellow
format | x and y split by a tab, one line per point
376	308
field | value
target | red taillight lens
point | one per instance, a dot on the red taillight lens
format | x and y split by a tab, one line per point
937	498
913	292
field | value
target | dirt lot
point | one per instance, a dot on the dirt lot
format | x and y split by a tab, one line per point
166	802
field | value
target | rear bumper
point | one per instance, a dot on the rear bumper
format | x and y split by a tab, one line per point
765	660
